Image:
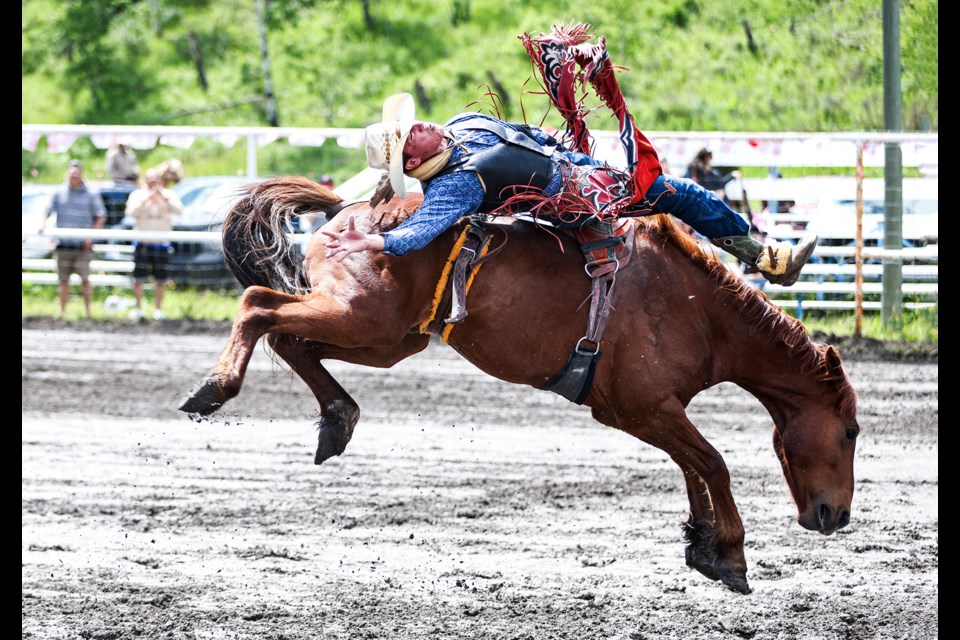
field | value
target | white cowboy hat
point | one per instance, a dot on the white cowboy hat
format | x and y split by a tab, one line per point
385	140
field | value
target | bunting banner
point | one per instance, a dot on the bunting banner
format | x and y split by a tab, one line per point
307	139
178	140
60	142
226	139
263	139
29	140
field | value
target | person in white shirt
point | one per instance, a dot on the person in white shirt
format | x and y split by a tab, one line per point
153	208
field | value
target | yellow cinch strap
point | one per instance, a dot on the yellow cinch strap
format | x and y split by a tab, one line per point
473	274
442	285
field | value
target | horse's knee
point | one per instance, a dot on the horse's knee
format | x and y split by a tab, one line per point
714	470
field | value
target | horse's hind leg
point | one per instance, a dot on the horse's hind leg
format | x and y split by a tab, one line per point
223	382
338	411
316	317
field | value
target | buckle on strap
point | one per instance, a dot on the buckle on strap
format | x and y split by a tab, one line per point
596	270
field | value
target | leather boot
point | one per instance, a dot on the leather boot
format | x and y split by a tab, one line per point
779	262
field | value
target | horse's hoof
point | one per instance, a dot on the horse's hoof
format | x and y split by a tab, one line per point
709	564
736	581
203	399
331	441
703	560
335	430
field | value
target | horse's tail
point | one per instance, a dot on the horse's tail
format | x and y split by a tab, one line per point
255	242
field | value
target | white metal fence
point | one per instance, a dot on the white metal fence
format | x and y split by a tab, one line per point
828	282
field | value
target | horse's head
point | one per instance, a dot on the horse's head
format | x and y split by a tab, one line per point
815	445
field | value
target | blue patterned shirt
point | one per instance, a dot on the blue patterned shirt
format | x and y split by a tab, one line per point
454	195
75	209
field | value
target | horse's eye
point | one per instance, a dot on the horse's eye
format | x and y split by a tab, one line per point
852	434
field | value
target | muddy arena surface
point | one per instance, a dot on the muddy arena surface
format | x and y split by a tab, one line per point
464	507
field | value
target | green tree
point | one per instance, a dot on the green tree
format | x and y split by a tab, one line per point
105	68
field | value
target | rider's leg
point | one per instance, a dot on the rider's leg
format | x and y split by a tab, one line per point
558	70
709	215
557	56
642	159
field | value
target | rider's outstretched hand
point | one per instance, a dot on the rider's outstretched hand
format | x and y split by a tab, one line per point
343	244
350	241
383	192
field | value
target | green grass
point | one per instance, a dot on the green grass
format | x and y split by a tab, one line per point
194	304
916	326
179	303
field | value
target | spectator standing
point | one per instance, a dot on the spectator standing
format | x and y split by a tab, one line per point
77	208
122	163
701	171
153	208
326	181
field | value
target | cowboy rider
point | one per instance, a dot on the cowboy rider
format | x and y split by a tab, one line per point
477	163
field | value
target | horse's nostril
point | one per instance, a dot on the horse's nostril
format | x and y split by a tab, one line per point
844	518
824	514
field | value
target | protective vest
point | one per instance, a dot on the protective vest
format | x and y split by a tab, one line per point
504	169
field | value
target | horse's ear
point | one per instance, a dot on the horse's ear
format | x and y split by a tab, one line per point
832	359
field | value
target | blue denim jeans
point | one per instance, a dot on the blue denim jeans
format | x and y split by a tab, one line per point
700	208
703	210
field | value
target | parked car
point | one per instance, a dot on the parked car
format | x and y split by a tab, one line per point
917	229
114	196
206	202
34	199
826	205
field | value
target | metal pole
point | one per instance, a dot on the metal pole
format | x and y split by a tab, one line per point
252	155
260	6
891	306
858	250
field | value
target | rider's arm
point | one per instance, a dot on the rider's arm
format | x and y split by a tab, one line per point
447	199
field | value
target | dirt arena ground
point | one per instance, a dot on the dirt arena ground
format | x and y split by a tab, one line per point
464	507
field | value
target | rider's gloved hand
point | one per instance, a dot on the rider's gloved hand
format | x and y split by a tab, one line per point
383	192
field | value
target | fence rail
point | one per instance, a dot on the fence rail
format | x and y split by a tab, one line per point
826	285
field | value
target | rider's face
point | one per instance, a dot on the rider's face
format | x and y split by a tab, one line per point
425	141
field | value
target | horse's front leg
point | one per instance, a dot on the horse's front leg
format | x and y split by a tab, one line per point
318	317
339	413
713	530
698	529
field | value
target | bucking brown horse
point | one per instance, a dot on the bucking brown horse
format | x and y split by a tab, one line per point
681	323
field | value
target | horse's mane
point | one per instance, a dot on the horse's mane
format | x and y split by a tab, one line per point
757	312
